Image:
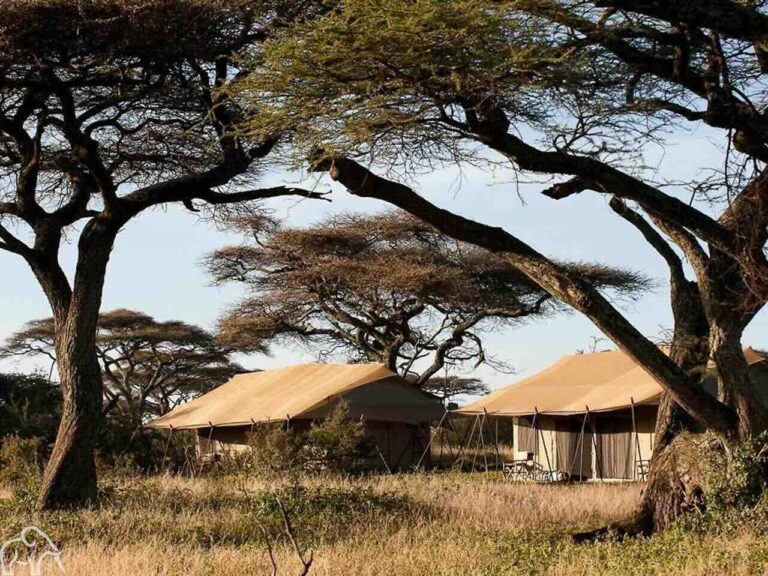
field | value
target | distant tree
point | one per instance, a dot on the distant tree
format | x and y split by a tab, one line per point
383	288
30	406
109	108
449	387
149	367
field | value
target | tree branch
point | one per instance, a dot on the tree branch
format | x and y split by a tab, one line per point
727	17
652	236
592	174
561	283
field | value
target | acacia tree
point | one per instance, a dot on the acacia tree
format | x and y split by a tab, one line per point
574	92
446	388
381	288
148	367
107	110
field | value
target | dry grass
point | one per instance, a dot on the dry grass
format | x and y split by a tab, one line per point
439	524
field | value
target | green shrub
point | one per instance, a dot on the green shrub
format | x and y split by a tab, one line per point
335	444
735	484
272	452
20	468
741	480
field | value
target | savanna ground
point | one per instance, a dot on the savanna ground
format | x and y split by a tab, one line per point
419	524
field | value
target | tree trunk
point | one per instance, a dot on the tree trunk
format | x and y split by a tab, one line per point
70	476
735	383
673	487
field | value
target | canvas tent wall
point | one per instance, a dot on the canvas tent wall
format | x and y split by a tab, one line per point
395	413
589	415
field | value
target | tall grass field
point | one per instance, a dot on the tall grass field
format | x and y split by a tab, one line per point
417	524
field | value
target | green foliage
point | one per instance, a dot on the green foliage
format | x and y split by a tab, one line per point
335	444
739	479
313	507
126	448
272	452
384	77
20	468
216	513
29	406
735	485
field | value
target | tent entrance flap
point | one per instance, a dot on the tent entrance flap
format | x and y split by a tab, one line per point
615	440
573	448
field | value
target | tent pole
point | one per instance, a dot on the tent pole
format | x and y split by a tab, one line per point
431	439
482	439
580	451
597	451
210	436
402	454
638	456
460	447
386	465
477	443
167	445
449	427
471	433
535	441
498	454
444	448
581	440
546	452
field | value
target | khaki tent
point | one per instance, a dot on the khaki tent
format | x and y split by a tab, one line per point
396	414
589	415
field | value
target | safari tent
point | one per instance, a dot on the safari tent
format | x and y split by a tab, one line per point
396	415
588	416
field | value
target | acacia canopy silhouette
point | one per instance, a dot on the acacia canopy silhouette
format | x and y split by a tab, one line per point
382	288
573	94
149	367
108	108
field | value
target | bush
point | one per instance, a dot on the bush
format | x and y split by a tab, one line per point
124	449
736	483
335	444
20	468
272	452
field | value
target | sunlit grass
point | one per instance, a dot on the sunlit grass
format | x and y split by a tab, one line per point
433	524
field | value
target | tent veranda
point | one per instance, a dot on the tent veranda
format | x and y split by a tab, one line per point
588	416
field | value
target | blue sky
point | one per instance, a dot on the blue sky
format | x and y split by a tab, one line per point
155	266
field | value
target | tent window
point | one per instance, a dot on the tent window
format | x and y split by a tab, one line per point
526	435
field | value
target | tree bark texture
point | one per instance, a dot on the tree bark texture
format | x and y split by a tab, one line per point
70	475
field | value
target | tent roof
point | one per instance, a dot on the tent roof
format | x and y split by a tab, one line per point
304	390
599	382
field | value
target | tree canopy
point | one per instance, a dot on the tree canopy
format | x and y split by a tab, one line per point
576	95
109	108
381	288
555	88
149	366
